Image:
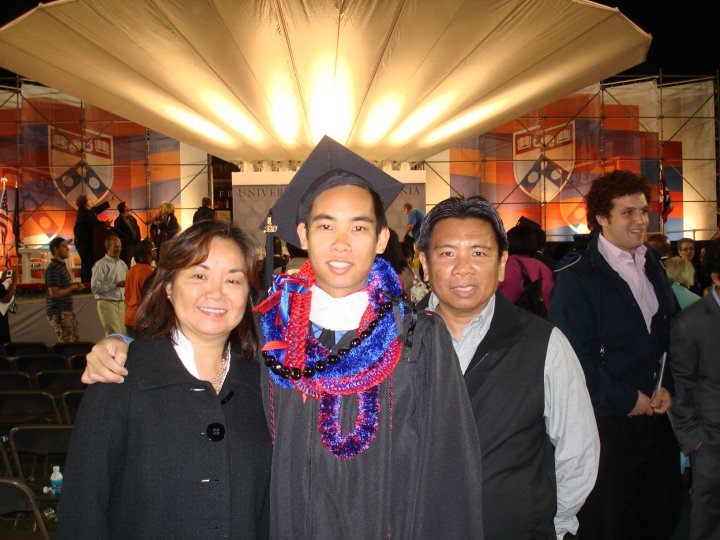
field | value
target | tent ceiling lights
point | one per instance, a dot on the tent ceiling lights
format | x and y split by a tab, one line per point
265	80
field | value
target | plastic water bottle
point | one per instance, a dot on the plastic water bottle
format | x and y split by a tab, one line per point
56	480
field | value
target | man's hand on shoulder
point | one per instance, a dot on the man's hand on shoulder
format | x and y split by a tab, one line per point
106	362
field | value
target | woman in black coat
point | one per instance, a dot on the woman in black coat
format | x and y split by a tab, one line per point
165	225
181	449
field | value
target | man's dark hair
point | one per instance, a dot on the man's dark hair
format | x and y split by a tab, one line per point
206	201
599	200
143	250
463	208
378	207
122	207
713	257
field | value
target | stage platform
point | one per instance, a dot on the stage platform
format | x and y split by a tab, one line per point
30	323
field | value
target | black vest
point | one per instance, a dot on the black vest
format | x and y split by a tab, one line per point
505	383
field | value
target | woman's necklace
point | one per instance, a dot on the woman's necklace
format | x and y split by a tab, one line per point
218	380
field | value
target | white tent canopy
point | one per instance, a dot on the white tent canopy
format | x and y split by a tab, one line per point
264	80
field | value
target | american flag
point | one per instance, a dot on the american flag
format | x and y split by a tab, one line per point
4	218
666	205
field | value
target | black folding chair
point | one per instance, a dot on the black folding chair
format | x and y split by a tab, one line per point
7	364
25	347
77	362
15	380
6	468
18	501
32	363
70	349
70	404
20	407
35	449
58	382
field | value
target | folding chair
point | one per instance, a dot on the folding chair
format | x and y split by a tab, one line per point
35	449
70	404
7	364
27	407
77	362
17	498
58	382
32	363
25	347
70	349
14	380
5	460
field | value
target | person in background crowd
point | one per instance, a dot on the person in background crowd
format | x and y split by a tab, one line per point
205	211
165	226
297	259
540	239
394	255
661	245
280	259
682	277
686	249
8	284
414	219
522	249
86	222
332	477
128	231
58	294
181	449
107	284
614	303
135	281
694	346
538	438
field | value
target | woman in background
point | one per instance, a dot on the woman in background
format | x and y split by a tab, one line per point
165	225
181	449
681	274
523	249
8	283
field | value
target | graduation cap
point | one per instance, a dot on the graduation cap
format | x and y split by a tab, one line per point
329	165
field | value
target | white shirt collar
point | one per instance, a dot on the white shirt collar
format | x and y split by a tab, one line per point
186	353
337	313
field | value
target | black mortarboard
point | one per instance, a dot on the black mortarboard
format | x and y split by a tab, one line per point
330	164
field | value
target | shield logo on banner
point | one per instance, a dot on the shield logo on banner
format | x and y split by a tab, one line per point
80	165
542	177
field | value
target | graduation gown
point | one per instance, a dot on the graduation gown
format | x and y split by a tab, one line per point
420	477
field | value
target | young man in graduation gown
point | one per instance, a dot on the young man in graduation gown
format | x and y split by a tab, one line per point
373	431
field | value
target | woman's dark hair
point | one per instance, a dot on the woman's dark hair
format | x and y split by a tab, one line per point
522	240
599	199
393	253
156	316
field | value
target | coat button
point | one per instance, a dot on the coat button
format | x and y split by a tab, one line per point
215	432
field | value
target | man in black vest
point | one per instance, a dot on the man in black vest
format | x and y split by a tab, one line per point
538	437
615	304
